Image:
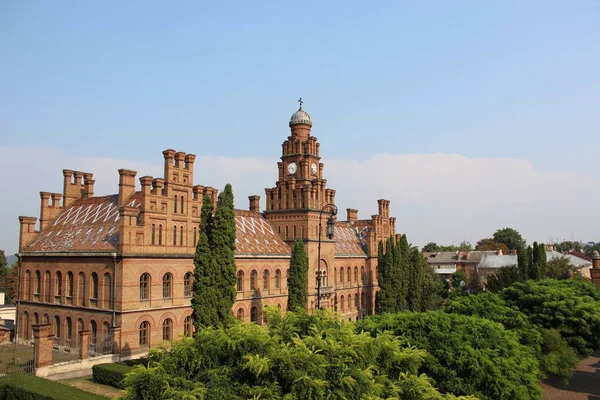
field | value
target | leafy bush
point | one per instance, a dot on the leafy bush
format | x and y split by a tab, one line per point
298	356
21	386
571	307
133	362
110	374
467	355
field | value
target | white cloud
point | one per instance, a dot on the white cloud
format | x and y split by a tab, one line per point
436	197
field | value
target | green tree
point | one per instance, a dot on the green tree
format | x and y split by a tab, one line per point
504	278
431	246
415	282
510	237
559	267
298	278
534	271
4	273
466	355
491	244
522	263
542	263
222	246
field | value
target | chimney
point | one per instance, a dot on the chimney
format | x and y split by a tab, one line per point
381	204
126	184
596	259
27	231
352	215
88	185
254	203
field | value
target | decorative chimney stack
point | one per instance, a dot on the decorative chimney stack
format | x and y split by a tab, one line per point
254	203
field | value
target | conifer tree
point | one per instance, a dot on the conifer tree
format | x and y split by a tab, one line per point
522	263
382	279
415	280
403	271
533	264
222	246
541	261
298	278
205	296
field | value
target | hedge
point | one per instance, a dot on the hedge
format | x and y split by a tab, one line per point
110	374
22	386
134	362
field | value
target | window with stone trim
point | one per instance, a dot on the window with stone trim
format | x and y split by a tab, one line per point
253	276
57	287
181	235
254	314
94	294
240	314
341	275
188	326
70	284
153	234
277	279
188	283
266	277
355	274
240	281
167	330
342	303
145	286
349	302
167	282
174	203
47	287
174	236
81	291
144	333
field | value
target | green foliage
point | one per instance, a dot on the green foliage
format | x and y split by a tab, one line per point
299	356
28	387
567	246
431	246
510	237
466	355
298	278
559	267
214	263
491	244
523	263
589	250
5	272
463	246
505	277
571	307
557	358
110	374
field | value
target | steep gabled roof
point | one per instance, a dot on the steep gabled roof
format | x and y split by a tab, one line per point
348	241
255	236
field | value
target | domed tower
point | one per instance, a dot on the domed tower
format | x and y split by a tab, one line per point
300	124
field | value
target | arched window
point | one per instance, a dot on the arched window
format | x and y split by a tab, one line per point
286	232
287	276
38	284
181	235
240	281
253	280
106	338
175	235
145	333
356	300
363	275
56	329
187	326
277	279
94	297
175	203
349	302
153	233
46	319
195	236
294	230
167	286
58	287
167	328
81	293
266	277
108	301
342	275
240	314
36	318
93	336
349	275
160	234
181	204
70	284
363	299
69	333
79	329
47	287
28	285
355	274
342	303
188	282
145	287
25	329
253	314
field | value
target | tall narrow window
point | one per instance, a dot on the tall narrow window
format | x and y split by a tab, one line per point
253	314
79	329
181	235
28	285
167	285
81	293
342	275
195	236
144	333
167	328
363	300
342	303
363	275
356	300
38	284
70	284
294	230
349	302
69	333
108	301
145	286
174	236
188	282
57	329
277	279
187	326
286	232
58	287
93	336
175	203
240	313
160	234
240	281
47	286
181	204
349	276
253	279
266	277
355	274
94	296
25	330
153	233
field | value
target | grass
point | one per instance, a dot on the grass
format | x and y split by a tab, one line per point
87	384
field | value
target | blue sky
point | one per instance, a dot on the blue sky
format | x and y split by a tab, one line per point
505	80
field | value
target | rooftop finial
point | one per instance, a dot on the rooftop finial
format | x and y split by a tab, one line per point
301	102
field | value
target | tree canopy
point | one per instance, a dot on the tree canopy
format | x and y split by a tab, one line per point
298	278
491	244
510	237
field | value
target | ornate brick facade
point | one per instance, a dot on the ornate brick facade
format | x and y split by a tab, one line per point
123	264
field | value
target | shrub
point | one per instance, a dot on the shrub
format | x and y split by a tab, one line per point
134	362
21	386
110	374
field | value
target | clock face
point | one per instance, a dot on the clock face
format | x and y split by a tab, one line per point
313	168
292	168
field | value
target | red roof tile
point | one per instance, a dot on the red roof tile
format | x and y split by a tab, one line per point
87	225
256	236
347	240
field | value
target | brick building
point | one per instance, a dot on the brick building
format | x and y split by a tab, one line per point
121	266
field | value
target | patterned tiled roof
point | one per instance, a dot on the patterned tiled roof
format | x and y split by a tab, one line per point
363	227
255	236
86	225
347	240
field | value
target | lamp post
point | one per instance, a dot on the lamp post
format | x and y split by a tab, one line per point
330	225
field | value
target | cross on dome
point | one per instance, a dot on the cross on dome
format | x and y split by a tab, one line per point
301	102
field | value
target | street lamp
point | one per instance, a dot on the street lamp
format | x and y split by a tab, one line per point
332	209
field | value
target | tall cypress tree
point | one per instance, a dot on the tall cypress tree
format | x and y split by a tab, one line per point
223	234
298	278
403	271
205	296
533	267
415	280
522	263
382	279
541	261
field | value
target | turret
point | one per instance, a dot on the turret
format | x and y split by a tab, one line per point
126	184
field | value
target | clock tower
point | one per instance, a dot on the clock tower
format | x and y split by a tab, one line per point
295	203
